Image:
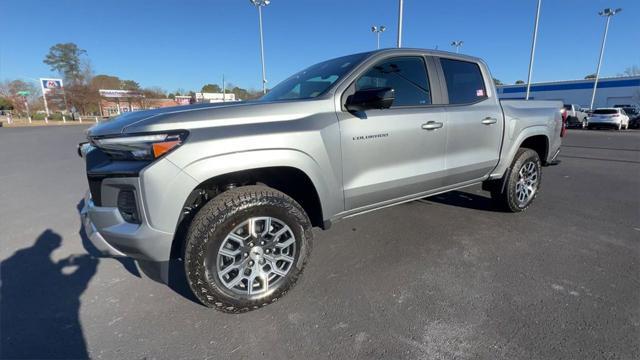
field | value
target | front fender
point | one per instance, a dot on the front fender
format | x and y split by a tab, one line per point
329	193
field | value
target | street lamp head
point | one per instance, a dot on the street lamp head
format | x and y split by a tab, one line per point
609	12
260	2
377	29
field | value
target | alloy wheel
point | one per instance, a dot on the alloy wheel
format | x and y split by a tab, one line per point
256	256
527	184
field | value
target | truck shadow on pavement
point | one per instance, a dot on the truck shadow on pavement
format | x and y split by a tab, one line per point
465	200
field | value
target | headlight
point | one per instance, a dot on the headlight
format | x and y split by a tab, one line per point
140	147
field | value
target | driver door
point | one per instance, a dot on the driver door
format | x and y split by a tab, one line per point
390	154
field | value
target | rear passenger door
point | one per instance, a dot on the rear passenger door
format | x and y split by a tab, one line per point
474	120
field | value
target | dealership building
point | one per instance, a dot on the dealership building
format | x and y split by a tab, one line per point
610	91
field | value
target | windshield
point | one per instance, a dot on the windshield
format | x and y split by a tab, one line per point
315	80
606	111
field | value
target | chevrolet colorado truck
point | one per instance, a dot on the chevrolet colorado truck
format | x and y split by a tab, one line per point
234	189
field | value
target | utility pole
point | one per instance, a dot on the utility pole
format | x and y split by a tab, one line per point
260	4
608	13
400	10
533	49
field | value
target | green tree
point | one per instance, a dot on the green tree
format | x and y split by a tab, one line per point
65	59
497	82
590	76
211	88
6	104
518	82
130	85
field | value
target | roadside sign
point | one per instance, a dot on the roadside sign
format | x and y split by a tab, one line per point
50	84
107	93
24	93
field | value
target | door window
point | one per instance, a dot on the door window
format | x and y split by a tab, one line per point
406	75
465	83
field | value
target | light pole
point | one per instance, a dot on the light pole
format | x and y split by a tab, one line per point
260	4
608	13
378	30
457	44
533	49
400	10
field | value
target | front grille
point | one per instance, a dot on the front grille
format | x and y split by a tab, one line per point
94	187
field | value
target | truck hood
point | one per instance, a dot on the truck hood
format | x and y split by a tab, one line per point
209	115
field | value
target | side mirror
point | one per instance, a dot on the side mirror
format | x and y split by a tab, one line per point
375	98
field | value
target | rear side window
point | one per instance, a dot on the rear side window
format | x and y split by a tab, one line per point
465	83
406	75
606	111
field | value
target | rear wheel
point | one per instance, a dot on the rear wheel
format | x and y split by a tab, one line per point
522	184
246	248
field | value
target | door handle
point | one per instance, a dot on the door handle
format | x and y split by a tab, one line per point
432	125
489	120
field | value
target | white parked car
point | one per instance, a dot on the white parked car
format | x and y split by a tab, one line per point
614	118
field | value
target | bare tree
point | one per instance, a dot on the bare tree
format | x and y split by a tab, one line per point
633	70
10	89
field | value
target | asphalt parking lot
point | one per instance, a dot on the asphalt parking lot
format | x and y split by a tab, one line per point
444	277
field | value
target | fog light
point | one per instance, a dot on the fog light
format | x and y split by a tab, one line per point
127	206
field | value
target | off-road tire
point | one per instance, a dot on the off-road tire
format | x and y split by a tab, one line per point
507	200
217	219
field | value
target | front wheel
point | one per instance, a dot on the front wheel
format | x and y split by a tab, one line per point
522	183
246	248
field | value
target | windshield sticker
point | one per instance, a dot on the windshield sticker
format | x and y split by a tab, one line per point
480	92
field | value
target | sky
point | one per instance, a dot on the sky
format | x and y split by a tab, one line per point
185	44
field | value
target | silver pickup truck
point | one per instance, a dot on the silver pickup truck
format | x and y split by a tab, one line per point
233	189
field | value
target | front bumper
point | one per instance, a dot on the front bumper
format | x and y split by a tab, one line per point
92	233
113	236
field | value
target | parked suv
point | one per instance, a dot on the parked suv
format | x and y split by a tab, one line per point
634	116
234	189
576	118
612	118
